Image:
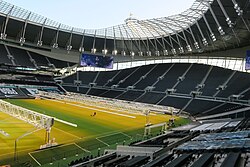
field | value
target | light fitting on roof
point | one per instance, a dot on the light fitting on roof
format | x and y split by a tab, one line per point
238	10
123	53
157	53
229	22
140	53
104	51
114	52
22	40
204	41
189	48
69	47
93	50
173	51
196	45
3	36
149	53
81	49
213	37
55	46
181	50
39	43
132	53
165	52
221	31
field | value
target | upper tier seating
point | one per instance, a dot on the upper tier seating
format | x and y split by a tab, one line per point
104	76
216	77
3	56
170	79
236	85
153	76
121	76
40	60
192	79
130	80
20	57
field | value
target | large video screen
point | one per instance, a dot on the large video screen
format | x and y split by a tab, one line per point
96	61
247	67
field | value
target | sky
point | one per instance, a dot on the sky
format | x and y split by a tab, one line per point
95	14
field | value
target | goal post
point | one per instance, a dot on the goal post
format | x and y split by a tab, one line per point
147	130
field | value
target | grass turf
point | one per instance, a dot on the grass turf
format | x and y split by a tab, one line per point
91	132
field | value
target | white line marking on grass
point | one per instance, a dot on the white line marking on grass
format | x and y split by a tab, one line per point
82	148
102	142
98	138
35	159
126	135
77	105
67	133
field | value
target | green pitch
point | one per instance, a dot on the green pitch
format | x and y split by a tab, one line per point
104	130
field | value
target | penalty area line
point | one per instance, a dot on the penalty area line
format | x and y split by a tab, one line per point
82	148
103	142
35	159
126	135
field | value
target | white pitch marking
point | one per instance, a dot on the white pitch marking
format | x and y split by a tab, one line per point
81	148
102	142
125	134
35	159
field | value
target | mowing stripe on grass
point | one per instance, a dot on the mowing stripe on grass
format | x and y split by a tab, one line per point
35	160
67	133
102	142
82	148
11	153
77	105
114	113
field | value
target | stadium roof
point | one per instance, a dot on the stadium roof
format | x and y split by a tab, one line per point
206	26
132	28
